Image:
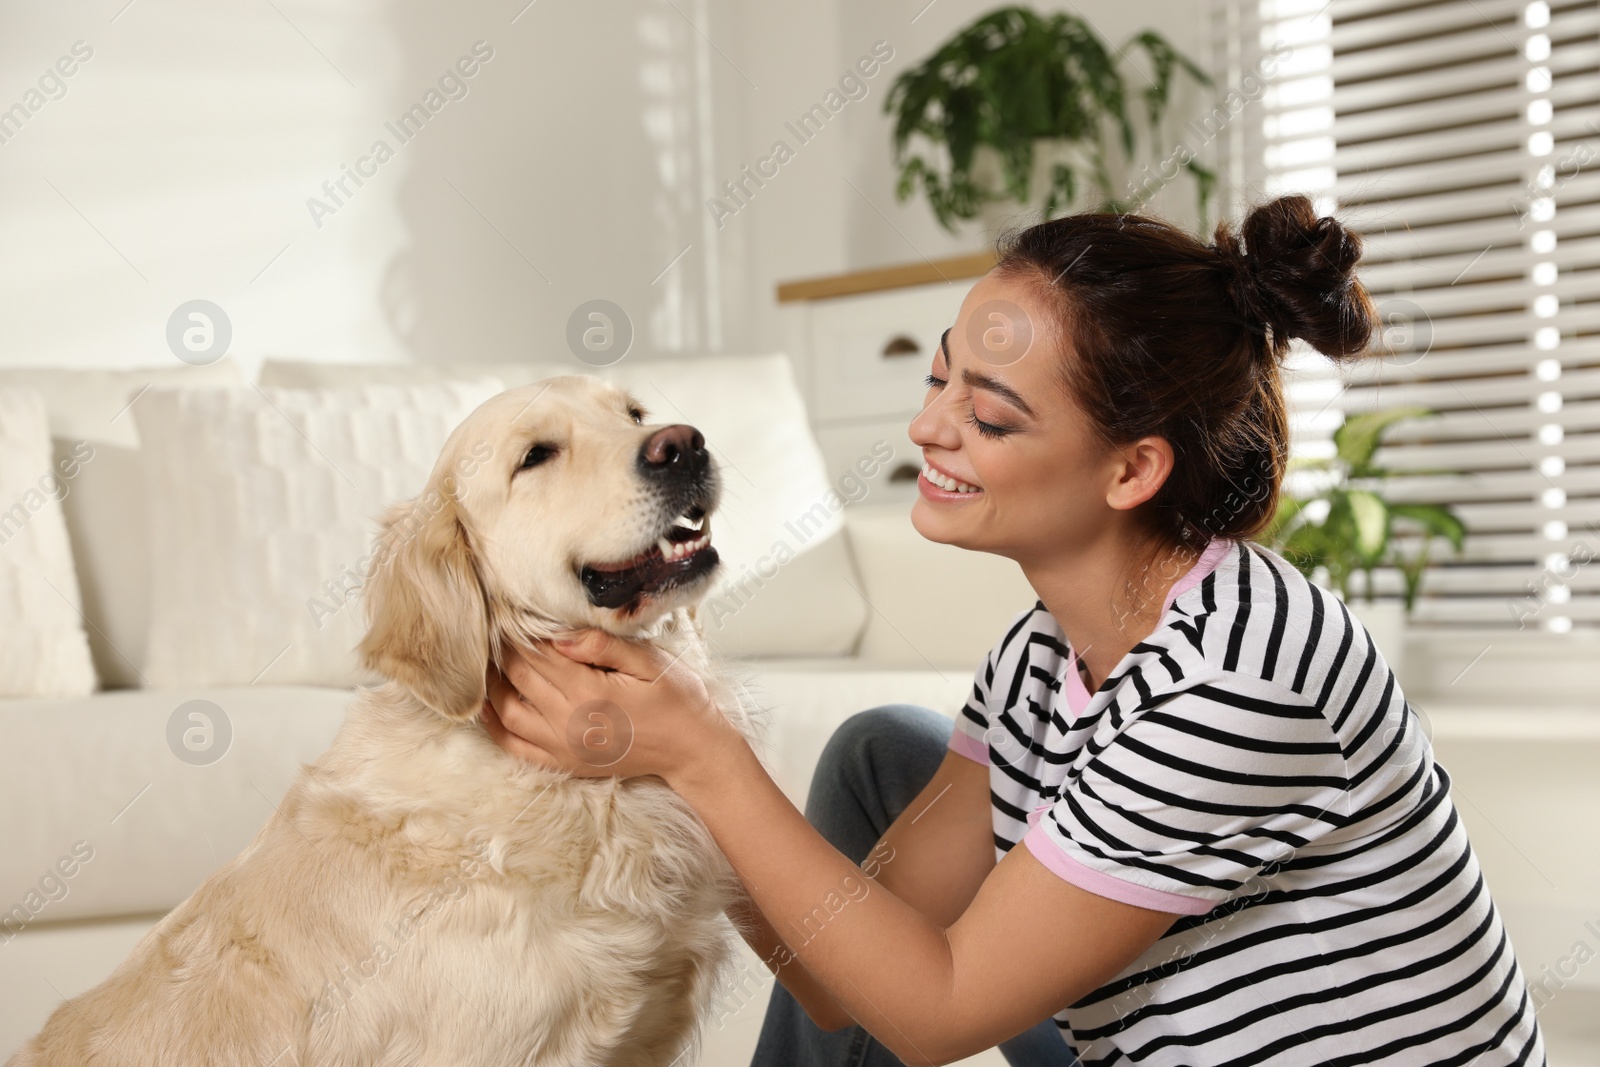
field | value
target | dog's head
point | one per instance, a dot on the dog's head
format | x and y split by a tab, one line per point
552	507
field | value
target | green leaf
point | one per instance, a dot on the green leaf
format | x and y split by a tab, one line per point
1357	440
1436	520
1206	183
1371	516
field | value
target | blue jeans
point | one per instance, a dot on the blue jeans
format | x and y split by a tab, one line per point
871	770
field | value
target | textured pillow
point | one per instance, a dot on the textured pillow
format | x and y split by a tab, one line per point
787	586
933	605
749	408
92	403
809	606
104	503
262	504
43	651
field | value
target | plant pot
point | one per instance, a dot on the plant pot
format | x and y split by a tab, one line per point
998	216
994	216
1385	621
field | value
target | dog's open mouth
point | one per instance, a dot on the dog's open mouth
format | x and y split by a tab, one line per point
681	554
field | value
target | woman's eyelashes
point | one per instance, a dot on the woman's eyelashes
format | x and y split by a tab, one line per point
986	429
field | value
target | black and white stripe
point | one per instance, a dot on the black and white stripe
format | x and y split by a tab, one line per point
1254	761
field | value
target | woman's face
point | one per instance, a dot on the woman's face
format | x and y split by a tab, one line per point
1035	478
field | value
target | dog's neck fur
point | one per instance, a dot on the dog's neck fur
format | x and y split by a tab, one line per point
513	625
418	769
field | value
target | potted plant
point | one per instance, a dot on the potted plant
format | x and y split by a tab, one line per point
1015	82
1342	526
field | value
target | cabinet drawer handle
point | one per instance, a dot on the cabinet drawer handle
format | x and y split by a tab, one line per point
901	345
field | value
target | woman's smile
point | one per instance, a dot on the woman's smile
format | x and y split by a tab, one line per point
938	484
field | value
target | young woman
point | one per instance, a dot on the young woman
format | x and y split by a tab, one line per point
1236	846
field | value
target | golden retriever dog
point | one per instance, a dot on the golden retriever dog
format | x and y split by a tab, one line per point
422	898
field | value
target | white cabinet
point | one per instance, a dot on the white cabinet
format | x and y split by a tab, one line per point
862	358
870	353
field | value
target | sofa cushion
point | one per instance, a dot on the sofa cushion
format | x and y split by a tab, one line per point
104	503
158	797
43	650
263	507
933	605
779	529
161	799
808	605
787	586
92	404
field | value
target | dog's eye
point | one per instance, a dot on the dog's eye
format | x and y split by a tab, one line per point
536	455
637	415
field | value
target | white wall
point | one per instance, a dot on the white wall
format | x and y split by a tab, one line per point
180	160
176	166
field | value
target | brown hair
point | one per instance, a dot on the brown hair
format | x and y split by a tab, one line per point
1182	340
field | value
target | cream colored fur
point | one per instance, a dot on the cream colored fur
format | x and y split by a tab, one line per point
421	898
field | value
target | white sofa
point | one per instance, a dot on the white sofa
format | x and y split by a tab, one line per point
868	613
98	773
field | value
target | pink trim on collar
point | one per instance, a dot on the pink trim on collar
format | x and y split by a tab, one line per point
1208	561
1072	687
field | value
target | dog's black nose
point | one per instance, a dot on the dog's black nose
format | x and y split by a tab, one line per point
677	449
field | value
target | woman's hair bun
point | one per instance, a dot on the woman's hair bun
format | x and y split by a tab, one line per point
1295	275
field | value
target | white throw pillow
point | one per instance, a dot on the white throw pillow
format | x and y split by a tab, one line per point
92	403
43	650
787	586
262	505
104	503
808	607
775	486
933	605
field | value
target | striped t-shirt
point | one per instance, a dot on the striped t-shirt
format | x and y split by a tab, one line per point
1252	767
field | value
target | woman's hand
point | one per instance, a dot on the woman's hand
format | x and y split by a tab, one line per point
599	705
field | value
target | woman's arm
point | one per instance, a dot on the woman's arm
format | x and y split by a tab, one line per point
934	857
938	852
782	962
1029	944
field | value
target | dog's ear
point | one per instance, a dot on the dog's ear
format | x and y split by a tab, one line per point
427	623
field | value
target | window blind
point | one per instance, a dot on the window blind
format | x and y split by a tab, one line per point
1462	139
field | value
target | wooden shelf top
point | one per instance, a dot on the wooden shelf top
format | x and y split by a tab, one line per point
925	272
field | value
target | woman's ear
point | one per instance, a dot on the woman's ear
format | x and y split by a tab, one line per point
1139	471
427	623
